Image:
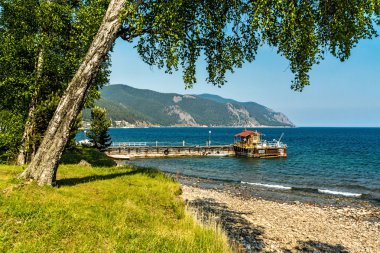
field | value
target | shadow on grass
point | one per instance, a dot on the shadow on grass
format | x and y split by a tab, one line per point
319	247
150	172
242	234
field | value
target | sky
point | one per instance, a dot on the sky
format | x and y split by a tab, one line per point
341	94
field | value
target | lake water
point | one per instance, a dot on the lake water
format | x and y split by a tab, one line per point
333	161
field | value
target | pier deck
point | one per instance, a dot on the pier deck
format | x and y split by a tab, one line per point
130	152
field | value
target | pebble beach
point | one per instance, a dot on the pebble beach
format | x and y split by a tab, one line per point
255	224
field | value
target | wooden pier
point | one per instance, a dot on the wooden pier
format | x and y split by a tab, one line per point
247	143
130	152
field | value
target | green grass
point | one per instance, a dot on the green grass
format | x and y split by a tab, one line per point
91	155
98	209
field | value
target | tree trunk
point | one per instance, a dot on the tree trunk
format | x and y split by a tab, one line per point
43	166
25	152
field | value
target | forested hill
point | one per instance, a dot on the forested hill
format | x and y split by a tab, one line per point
127	105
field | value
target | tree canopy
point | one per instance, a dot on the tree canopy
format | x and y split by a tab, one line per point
175	34
43	43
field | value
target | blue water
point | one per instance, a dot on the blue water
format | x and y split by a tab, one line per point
328	160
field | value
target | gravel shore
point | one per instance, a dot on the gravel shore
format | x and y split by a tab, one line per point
260	225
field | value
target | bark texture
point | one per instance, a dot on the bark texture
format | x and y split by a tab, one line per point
43	166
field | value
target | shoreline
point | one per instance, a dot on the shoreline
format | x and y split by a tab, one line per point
263	220
281	194
143	127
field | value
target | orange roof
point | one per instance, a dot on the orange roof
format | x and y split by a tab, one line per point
246	133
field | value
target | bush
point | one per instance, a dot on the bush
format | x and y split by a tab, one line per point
11	128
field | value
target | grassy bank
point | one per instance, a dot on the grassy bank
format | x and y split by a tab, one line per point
99	210
90	155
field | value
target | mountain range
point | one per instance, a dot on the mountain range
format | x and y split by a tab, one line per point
128	106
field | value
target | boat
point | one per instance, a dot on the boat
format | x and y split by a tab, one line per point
249	144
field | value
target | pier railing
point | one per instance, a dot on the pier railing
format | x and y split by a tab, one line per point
129	144
161	144
268	144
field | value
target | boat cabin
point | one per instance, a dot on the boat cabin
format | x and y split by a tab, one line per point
249	143
247	138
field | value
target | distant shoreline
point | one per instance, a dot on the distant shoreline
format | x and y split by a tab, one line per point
279	127
142	127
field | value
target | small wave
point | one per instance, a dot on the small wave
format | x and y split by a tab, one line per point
347	194
275	186
303	189
311	190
